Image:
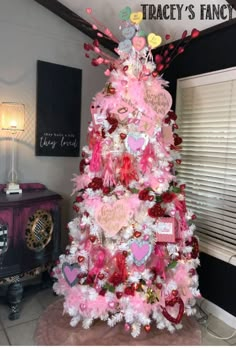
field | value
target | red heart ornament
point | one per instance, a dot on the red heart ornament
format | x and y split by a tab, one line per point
119	294
92	239
147	328
80	259
137	234
172	303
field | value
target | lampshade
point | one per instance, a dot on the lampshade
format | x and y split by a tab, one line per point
12	116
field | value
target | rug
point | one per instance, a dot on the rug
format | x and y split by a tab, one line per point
54	329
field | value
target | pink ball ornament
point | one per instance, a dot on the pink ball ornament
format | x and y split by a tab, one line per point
83	306
111	305
172	212
146	237
127	327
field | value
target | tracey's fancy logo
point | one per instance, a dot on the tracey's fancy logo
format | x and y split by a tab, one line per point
178	11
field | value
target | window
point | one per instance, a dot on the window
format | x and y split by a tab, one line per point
206	107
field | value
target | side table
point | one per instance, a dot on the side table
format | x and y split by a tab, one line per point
30	237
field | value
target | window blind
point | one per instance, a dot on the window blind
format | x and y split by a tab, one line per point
207	120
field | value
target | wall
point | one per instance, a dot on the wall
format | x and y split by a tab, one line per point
29	32
211	52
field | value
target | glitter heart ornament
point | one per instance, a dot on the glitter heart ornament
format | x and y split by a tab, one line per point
135	142
141	251
71	273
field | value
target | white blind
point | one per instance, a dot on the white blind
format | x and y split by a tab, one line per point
207	120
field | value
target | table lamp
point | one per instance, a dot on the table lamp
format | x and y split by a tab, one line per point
12	120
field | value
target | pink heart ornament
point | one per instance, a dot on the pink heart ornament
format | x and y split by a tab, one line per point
70	273
139	42
112	217
159	100
135	142
141	251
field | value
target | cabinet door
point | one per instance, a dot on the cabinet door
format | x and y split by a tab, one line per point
38	229
10	251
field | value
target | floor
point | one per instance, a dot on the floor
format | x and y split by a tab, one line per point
21	332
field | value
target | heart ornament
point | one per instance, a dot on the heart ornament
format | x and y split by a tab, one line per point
174	302
141	251
139	42
159	100
125	13
128	32
125	46
154	40
112	217
71	273
136	142
136	17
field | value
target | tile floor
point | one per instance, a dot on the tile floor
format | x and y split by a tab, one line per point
21	332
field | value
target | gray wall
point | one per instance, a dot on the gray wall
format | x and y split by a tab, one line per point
29	32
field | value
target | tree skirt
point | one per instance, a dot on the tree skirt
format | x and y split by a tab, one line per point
54	330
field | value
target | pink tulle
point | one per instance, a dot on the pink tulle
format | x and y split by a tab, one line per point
109	179
96	160
80	182
147	158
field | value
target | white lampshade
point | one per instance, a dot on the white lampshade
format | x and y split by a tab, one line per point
12	116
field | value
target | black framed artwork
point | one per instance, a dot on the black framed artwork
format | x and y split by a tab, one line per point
58	110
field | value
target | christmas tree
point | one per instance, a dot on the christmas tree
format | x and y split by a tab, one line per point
132	256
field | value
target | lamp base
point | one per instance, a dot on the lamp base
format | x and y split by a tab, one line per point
12	188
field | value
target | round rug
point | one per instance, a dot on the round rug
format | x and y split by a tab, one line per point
54	330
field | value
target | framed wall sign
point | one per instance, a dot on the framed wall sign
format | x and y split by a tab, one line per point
58	110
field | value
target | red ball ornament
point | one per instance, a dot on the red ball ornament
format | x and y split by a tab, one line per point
123	136
155	73
101	276
106	190
70	239
125	253
147	328
178	161
67	252
193	217
159	286
192	272
175	292
151	198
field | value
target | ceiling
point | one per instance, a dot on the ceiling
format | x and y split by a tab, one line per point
107	13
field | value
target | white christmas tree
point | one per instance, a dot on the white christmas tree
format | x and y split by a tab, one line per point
132	256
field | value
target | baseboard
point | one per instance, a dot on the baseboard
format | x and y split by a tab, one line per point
211	308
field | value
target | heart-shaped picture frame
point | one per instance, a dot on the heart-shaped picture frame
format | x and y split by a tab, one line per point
71	273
